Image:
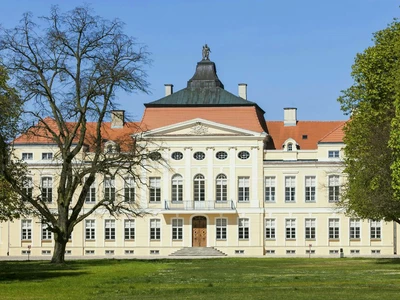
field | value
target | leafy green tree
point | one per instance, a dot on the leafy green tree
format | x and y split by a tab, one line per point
10	206
372	135
68	72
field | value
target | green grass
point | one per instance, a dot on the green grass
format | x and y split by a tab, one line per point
228	278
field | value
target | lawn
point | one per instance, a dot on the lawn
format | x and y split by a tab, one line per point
227	278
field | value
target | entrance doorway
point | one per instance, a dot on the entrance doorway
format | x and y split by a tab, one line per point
199	232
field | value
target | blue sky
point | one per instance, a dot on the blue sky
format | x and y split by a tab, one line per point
291	53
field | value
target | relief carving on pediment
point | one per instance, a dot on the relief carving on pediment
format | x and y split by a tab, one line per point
199	129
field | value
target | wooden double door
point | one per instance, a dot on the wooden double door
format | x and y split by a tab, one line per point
199	232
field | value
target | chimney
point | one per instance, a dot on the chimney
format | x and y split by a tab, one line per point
117	118
290	116
169	89
243	90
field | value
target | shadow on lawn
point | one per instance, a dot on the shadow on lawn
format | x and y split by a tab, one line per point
37	271
391	261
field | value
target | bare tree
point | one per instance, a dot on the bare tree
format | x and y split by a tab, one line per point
68	73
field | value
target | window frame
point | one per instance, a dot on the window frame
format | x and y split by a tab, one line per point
270	228
199	188
199	155
46	189
221	188
244	189
290	189
177	229
26	156
310	228
155	189
129	229
91	194
290	229
375	229
221	229
310	191
177	188
243	228
46	234
109	230
334	228
333	188
354	229
129	189
26	230
109	188
243	155
270	189
90	229
47	155
221	155
177	155
155	229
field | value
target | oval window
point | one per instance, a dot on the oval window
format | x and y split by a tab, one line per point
177	155
244	155
221	155
199	155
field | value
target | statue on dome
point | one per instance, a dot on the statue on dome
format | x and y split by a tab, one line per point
206	52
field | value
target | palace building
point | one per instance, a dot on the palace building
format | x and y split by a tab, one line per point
232	182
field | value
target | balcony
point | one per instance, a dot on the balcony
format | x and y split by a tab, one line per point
190	206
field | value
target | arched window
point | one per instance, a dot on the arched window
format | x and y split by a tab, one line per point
221	184
177	188
199	188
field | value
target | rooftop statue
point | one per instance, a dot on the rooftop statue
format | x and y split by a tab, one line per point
206	52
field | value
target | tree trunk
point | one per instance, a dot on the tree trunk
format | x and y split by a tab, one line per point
59	251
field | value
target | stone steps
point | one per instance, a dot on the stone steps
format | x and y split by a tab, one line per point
198	251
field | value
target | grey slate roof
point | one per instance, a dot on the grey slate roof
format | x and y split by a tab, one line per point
203	89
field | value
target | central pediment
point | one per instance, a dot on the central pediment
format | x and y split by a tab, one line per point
199	127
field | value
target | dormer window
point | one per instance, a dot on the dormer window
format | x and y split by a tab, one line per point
111	148
290	145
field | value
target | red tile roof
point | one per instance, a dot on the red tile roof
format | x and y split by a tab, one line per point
246	117
316	131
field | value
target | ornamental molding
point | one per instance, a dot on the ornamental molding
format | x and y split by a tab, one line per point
199	129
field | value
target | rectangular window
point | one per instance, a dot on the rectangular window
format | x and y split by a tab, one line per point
334	229
155	189
27	156
310	189
290	226
155	229
333	182
221	228
47	156
46	234
290	189
270	229
28	186
177	229
355	228
47	189
333	153
375	229
109	230
270	189
91	194
109	188
310	229
244	229
26	230
177	188
90	229
129	190
244	189
129	229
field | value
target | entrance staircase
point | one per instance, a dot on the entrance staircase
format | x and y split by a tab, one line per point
198	251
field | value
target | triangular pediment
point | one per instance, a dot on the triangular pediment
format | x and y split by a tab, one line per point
199	127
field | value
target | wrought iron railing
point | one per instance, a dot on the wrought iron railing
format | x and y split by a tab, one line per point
199	205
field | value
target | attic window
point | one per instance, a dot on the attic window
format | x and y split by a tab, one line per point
304	136
289	147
